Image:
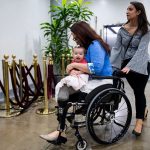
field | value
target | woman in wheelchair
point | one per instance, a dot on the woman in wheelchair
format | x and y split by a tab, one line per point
98	63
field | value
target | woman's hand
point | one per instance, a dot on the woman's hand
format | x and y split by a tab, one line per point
125	70
69	67
79	66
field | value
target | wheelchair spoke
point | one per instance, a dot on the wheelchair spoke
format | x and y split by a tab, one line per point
121	105
114	130
119	124
110	134
106	134
120	121
121	110
120	116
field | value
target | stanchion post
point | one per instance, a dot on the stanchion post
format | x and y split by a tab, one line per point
14	69
35	70
45	85
63	65
45	110
51	109
6	84
68	59
50	63
20	78
13	66
9	112
50	59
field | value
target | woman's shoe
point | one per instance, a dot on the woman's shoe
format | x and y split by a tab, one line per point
139	124
136	133
145	114
54	140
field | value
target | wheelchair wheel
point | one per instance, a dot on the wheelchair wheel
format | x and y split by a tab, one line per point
81	145
108	116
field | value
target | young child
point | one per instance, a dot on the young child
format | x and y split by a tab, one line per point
76	79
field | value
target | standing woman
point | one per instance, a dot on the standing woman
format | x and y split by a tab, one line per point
130	53
98	63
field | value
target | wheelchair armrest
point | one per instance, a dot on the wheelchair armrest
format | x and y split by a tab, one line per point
104	77
117	81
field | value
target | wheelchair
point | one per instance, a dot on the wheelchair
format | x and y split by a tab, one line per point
107	112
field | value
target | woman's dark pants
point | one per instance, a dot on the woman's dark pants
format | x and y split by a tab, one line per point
138	83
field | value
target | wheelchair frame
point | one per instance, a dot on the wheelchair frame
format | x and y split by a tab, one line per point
101	113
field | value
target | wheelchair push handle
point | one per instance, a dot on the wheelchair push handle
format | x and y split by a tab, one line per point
119	73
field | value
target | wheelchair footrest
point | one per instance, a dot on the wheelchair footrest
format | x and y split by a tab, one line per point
79	124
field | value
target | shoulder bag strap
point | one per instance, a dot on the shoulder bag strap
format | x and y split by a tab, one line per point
129	43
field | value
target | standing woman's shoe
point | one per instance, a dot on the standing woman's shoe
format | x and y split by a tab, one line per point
136	133
138	127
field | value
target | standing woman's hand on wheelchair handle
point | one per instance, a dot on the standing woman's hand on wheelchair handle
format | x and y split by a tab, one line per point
125	70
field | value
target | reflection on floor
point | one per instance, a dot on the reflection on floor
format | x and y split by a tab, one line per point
22	132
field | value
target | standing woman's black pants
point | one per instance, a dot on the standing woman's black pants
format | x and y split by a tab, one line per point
138	83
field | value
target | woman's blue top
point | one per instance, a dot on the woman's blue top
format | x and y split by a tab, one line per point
98	60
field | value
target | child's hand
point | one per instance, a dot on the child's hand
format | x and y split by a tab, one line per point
73	72
69	68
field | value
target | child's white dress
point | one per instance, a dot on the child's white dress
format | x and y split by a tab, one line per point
75	81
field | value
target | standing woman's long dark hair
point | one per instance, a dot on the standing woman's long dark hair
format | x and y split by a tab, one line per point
85	35
142	18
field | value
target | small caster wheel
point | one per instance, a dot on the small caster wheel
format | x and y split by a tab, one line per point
81	145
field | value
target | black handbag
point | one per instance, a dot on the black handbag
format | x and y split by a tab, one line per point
148	68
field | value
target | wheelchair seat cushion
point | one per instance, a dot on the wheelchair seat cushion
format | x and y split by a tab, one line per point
90	96
94	83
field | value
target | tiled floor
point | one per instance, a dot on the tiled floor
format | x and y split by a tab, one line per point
22	132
